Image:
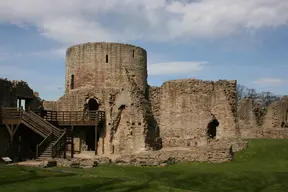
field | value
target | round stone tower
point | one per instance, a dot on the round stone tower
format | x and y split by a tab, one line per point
105	65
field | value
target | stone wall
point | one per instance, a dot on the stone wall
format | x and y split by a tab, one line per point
11	90
246	119
50	105
131	130
103	65
183	110
173	115
274	120
122	80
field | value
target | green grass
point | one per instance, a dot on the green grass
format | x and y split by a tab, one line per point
261	168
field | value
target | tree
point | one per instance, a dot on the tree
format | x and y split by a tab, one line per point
264	98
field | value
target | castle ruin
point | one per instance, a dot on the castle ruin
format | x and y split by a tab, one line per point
170	120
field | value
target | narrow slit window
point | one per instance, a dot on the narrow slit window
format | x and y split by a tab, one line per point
133	53
106	58
72	82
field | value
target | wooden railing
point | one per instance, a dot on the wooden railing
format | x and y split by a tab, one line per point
71	117
11	113
43	144
59	117
47	125
59	145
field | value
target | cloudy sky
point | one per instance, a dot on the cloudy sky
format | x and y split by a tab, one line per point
204	39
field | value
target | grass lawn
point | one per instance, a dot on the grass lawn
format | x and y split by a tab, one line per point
261	168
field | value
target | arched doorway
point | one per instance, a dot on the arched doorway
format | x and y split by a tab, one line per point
93	105
212	127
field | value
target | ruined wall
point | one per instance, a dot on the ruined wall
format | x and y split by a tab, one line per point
11	90
87	62
50	105
276	114
183	110
131	131
246	120
271	125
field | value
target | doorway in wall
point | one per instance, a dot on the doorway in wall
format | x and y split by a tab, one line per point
212	128
93	105
24	103
21	103
90	138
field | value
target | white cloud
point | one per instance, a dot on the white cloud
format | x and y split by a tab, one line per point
75	21
269	81
175	68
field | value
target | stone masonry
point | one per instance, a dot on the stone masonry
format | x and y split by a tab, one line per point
274	124
173	115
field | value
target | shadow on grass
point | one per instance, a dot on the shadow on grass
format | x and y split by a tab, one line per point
27	174
153	180
108	184
210	182
227	181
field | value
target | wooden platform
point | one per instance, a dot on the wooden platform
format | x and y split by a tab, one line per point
60	118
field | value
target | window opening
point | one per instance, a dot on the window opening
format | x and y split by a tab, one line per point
72	82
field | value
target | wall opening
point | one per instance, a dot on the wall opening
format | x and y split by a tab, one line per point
21	103
90	138
133	53
93	105
212	128
72	82
106	58
284	124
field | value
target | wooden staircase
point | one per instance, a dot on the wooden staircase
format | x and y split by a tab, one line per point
55	139
54	142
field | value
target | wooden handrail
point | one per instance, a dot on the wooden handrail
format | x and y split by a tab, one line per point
44	140
57	141
50	134
33	124
43	122
55	116
69	116
11	112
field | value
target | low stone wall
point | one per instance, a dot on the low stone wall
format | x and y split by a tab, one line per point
217	151
275	133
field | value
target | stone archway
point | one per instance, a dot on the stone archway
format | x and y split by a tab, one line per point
212	127
93	105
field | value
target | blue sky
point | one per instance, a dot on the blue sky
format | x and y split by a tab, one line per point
203	39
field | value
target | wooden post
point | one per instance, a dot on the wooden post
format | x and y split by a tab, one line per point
12	130
72	142
37	152
65	152
19	102
96	141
